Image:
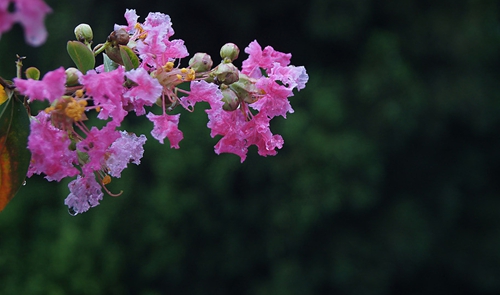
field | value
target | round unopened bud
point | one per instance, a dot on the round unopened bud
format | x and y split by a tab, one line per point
226	73
83	33
119	37
71	76
229	52
245	89
201	62
230	100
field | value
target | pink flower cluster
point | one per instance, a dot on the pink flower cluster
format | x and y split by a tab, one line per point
30	14
63	146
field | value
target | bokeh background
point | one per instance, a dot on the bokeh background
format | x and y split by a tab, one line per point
387	183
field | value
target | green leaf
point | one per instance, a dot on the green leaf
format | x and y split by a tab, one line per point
14	154
81	55
129	58
33	73
109	65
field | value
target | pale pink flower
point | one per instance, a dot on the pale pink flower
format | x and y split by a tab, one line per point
166	126
131	17
146	92
51	87
126	149
85	192
291	76
30	14
50	152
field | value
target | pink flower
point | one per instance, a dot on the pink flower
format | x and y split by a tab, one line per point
156	49
147	91
238	134
51	87
85	193
106	90
50	152
264	59
126	149
291	76
166	126
203	91
131	17
30	14
96	145
275	101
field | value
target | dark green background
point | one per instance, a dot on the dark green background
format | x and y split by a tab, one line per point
387	182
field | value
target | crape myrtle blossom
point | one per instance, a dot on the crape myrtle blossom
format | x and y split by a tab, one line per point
30	14
241	104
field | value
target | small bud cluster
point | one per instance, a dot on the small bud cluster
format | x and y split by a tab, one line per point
141	70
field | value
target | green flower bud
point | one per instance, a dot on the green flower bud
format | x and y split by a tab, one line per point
201	62
71	76
229	52
83	33
245	89
226	73
230	100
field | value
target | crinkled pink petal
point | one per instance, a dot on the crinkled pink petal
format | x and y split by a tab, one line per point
50	153
146	92
166	126
85	193
291	76
203	91
275	101
51	87
264	59
106	90
131	17
96	145
126	149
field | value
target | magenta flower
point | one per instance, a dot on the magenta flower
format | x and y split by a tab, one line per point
166	126
238	134
50	152
96	145
126	149
264	59
107	91
146	92
51	87
30	14
85	193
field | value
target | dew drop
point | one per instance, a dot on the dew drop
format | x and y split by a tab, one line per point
72	212
24	183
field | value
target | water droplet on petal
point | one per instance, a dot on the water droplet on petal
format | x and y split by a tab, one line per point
24	183
72	211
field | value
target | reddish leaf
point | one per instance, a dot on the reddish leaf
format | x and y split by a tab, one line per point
14	154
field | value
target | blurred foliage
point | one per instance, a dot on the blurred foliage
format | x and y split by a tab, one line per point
387	183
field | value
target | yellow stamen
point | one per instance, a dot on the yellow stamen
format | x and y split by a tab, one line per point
79	93
106	179
168	66
75	109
